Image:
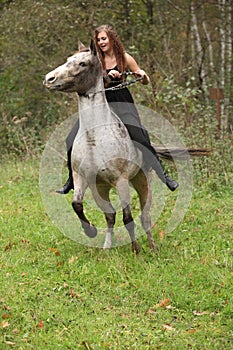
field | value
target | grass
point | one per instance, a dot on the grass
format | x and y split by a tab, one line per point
57	294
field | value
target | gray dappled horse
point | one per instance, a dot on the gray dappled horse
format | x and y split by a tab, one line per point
103	155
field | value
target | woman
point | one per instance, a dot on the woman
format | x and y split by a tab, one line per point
115	61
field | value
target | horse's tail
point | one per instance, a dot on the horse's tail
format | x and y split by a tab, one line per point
173	153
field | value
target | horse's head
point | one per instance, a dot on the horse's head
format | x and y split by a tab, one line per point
79	74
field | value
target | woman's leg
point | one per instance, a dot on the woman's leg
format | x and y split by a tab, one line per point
141	136
129	115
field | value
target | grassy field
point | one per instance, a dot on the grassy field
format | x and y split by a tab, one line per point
57	294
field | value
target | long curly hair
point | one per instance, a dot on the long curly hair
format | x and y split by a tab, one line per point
118	48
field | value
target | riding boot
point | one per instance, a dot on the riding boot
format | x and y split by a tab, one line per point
171	184
69	185
156	164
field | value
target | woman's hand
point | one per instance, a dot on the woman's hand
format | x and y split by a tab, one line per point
114	74
141	73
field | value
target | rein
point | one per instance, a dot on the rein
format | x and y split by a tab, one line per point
117	87
125	83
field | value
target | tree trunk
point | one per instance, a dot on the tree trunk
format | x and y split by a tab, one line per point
209	43
199	53
222	31
229	73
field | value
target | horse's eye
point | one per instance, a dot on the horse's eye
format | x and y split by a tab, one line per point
82	64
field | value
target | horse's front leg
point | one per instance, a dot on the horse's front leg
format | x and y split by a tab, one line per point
80	186
124	194
110	218
100	193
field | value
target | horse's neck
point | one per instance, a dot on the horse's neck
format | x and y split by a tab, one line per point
93	107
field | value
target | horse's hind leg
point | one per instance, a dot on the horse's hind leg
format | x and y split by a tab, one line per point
124	194
80	186
142	185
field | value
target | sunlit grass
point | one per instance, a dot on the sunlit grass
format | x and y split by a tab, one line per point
57	294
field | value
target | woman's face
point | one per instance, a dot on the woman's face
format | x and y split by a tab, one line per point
103	42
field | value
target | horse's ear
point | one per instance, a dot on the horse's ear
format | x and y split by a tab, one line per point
81	46
93	47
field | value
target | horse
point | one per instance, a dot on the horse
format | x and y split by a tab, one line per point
103	154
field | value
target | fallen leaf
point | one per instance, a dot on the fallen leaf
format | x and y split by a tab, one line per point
5	307
168	327
197	313
75	295
162	235
10	343
53	249
40	324
191	331
56	252
15	331
5	324
163	303
5	316
9	246
150	311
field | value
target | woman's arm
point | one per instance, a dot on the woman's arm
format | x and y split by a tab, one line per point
133	67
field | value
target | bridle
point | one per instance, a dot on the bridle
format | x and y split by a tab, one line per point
124	83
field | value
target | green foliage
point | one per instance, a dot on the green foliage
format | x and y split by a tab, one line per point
56	294
36	36
197	123
32	34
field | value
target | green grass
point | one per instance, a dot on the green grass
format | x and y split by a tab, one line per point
57	294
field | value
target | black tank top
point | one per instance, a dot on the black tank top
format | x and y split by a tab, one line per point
122	103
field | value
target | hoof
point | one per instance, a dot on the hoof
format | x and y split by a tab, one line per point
90	231
154	247
135	247
107	245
